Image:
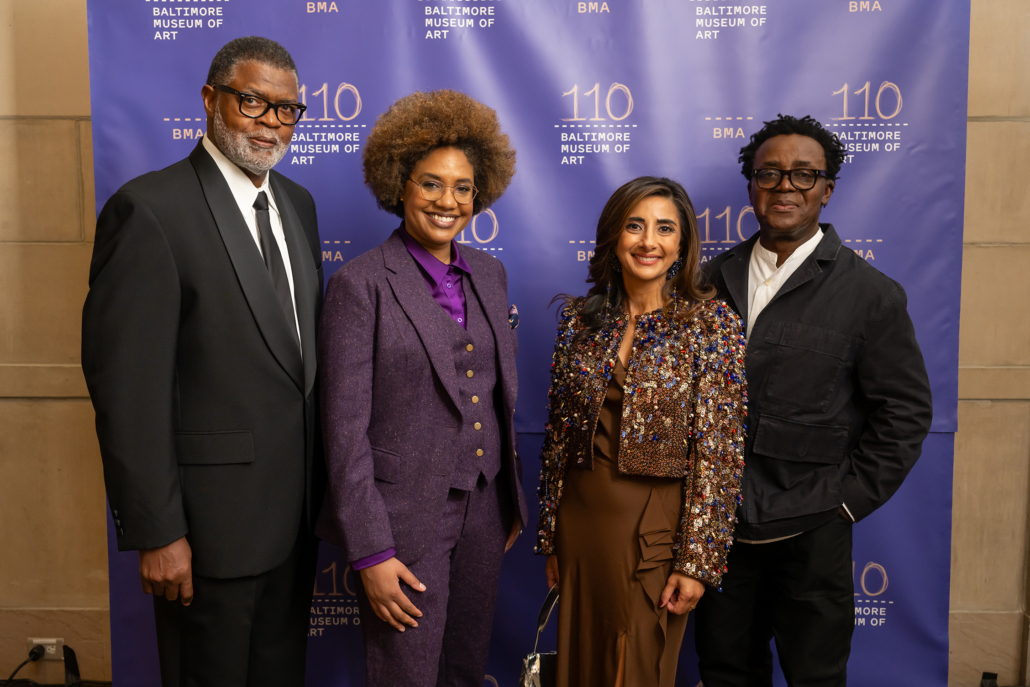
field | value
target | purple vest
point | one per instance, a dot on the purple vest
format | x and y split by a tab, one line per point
479	447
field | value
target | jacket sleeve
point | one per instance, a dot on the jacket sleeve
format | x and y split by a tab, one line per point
553	465
130	325
354	512
891	376
711	492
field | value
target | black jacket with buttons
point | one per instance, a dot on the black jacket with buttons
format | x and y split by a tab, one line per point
839	396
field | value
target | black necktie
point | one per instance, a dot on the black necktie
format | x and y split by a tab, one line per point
274	263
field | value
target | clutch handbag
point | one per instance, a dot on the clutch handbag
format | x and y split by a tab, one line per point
541	670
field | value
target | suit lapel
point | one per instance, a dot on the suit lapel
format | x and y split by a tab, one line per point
496	308
250	269
305	283
735	274
426	315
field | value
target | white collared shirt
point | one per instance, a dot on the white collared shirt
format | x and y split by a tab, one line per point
245	193
765	279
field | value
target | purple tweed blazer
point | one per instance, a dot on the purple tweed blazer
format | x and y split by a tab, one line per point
391	411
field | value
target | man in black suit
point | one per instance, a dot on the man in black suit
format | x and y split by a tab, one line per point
198	347
839	407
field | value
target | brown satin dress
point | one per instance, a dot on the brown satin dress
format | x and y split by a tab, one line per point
614	542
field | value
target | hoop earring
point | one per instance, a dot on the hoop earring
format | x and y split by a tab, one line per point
674	270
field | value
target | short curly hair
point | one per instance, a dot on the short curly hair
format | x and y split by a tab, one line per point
418	124
784	125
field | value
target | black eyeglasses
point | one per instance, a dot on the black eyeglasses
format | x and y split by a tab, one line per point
433	190
801	179
255	107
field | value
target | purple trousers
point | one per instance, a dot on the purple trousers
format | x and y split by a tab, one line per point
460	570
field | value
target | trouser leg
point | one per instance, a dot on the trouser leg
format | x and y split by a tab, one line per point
212	642
733	627
814	611
412	658
279	639
208	643
475	571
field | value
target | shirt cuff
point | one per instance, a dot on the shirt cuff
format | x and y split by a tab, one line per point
843	505
374	559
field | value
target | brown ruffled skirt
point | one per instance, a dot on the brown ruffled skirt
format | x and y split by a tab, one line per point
614	542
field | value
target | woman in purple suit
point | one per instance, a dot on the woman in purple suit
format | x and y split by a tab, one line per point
417	358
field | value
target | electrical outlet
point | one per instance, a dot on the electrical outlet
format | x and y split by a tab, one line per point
54	648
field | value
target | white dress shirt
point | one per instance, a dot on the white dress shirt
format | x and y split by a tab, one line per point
764	281
245	193
765	278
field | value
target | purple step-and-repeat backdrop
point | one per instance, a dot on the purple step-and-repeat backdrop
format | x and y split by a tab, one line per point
593	94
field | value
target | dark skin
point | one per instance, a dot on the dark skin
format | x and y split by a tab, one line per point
786	216
270	83
168	570
433	224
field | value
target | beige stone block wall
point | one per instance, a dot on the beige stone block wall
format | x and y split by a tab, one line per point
53	569
989	581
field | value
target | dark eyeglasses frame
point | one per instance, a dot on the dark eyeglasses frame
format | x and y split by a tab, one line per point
269	105
421	190
789	173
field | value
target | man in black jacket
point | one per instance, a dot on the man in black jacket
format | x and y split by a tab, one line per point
839	407
198	347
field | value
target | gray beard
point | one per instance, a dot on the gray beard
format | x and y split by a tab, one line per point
235	146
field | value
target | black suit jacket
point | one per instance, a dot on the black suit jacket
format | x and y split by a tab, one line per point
839	400
205	408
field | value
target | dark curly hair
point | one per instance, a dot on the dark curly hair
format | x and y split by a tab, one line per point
599	303
785	125
418	124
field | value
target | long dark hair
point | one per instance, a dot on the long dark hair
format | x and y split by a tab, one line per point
602	301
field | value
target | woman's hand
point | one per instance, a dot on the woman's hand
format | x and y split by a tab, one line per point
552	571
385	595
681	594
516	530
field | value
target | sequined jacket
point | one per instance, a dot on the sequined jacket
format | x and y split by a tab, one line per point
683	414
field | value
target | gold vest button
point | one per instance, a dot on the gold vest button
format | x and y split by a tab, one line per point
469	347
478	426
479	451
475	399
469	373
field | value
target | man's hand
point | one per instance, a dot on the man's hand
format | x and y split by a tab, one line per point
385	595
681	594
551	568
168	571
516	530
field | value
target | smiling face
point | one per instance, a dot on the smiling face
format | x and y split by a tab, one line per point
649	243
784	212
253	145
435	223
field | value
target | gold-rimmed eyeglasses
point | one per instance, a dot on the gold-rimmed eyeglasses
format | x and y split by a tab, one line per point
433	190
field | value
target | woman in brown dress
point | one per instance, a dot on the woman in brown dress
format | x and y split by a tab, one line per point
644	449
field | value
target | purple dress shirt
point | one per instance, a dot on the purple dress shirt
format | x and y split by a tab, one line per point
444	281
446	288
